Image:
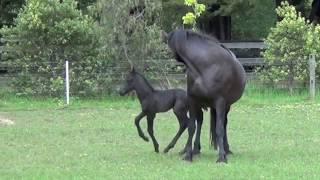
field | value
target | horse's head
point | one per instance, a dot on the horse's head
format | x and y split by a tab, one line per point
167	37
129	83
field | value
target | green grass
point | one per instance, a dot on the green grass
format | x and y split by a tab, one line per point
272	135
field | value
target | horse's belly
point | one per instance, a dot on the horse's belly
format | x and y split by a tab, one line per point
230	89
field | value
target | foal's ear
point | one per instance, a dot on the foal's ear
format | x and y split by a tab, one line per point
164	36
133	70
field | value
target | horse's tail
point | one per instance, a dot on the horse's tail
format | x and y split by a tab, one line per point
213	135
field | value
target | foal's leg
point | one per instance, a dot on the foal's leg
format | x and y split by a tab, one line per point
226	144
197	147
191	129
183	120
220	106
150	118
137	123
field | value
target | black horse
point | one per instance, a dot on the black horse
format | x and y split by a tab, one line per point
215	79
154	101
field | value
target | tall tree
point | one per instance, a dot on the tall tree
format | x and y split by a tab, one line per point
132	31
217	18
9	10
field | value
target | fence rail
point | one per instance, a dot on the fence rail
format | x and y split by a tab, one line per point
231	45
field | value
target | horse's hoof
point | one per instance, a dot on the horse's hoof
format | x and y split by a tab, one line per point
188	158
222	159
166	150
196	152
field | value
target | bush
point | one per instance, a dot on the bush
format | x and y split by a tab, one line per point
44	35
289	45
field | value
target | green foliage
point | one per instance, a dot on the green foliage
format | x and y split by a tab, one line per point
9	10
255	22
133	37
46	33
290	43
251	19
190	17
233	7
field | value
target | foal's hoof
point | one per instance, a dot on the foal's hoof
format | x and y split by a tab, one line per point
228	152
222	159
166	150
145	139
182	152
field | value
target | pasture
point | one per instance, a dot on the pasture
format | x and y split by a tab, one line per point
272	135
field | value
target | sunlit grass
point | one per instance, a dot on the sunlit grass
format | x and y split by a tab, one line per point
273	136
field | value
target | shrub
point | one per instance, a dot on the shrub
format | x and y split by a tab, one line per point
44	35
289	45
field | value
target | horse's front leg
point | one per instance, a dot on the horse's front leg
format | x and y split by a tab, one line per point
150	119
137	123
191	130
197	146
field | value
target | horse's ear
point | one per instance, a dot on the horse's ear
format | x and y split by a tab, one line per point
164	36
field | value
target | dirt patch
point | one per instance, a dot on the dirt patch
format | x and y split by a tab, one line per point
6	122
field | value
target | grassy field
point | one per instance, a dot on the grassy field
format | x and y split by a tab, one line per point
272	135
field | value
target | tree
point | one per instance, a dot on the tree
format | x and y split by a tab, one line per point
289	45
131	32
216	20
46	33
190	17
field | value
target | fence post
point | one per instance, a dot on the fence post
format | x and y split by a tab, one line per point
67	83
312	71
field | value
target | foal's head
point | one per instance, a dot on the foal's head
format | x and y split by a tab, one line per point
129	83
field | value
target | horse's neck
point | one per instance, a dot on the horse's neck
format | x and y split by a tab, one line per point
143	90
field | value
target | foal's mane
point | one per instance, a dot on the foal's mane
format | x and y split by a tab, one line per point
144	80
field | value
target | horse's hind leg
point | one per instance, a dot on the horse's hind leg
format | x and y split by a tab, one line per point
220	106
197	146
213	125
150	119
191	129
183	120
225	138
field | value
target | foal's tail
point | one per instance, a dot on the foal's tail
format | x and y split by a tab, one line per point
213	135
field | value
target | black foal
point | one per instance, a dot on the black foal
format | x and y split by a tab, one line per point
154	101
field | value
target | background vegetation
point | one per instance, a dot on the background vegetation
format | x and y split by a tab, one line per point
99	37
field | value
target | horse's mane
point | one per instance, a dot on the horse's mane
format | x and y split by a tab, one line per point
207	38
145	80
192	34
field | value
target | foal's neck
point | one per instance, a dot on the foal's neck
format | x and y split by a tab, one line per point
143	89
